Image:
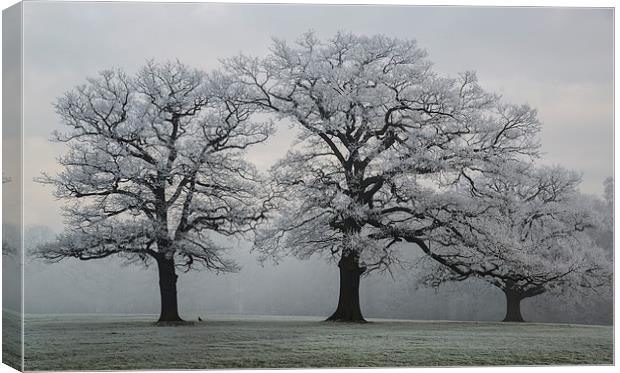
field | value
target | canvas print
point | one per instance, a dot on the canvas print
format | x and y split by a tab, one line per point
206	185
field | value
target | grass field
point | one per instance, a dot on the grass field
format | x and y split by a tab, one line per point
134	342
11	339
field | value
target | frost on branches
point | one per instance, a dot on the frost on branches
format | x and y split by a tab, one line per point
380	132
10	242
522	229
154	167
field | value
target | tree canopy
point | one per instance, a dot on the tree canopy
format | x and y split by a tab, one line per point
524	229
379	129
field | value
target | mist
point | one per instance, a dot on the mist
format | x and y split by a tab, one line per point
292	287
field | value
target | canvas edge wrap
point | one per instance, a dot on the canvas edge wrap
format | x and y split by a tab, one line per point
12	191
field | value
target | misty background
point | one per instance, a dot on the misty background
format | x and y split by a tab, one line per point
559	61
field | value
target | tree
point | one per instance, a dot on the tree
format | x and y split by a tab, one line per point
524	230
8	239
609	191
378	126
154	170
602	232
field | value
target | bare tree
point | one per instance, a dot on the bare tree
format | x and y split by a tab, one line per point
523	229
602	232
154	171
608	194
8	241
379	129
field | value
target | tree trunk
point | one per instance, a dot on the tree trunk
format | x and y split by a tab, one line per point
168	290
513	306
349	300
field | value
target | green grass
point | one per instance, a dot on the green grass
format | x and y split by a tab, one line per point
123	342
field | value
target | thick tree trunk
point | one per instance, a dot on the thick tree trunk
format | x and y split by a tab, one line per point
168	290
349	300
513	306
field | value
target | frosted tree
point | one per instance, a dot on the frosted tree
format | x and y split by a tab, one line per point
377	127
154	171
603	232
522	229
609	191
8	232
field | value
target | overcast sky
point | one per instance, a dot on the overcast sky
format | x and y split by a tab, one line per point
557	60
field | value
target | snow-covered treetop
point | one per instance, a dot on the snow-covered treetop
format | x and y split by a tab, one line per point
377	125
154	163
523	228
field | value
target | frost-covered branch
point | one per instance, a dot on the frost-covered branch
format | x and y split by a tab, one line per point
380	131
155	166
